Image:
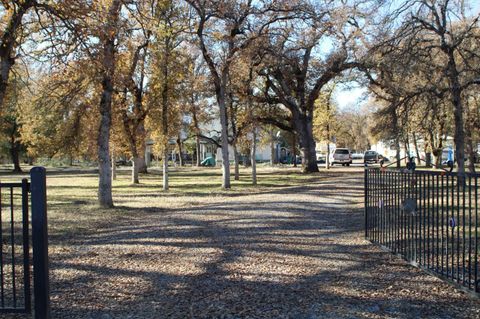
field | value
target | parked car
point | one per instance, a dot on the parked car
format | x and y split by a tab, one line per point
371	157
357	156
341	156
321	158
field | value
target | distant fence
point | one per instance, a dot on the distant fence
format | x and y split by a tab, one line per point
15	263
429	218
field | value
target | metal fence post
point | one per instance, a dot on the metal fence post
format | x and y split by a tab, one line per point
366	201
40	243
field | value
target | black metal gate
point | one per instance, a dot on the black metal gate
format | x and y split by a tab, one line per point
15	261
430	218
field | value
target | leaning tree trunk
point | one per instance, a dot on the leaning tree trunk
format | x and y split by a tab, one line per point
253	156
236	160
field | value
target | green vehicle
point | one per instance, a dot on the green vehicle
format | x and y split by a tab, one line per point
209	161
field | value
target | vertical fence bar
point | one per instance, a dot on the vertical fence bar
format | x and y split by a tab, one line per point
437	223
40	242
429	222
464	223
385	206
12	243
477	284
380	208
392	211
421	212
452	237
2	282
26	248
377	209
397	213
442	216
365	183
458	229
404	228
470	232
436	220
447	229
415	217
409	219
424	220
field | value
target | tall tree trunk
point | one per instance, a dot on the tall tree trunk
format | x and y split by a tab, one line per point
114	167
136	162
306	141
180	151
327	158
397	150
142	162
15	148
103	141
428	152
253	156
165	92
197	148
165	168
397	138
105	181
236	161
294	149
132	141
14	152
456	94
437	147
224	137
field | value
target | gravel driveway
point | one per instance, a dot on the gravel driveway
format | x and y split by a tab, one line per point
289	252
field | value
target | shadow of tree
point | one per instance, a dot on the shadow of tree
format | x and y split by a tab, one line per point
293	252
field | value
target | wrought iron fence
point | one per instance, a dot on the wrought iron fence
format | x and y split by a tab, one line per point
15	261
430	218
